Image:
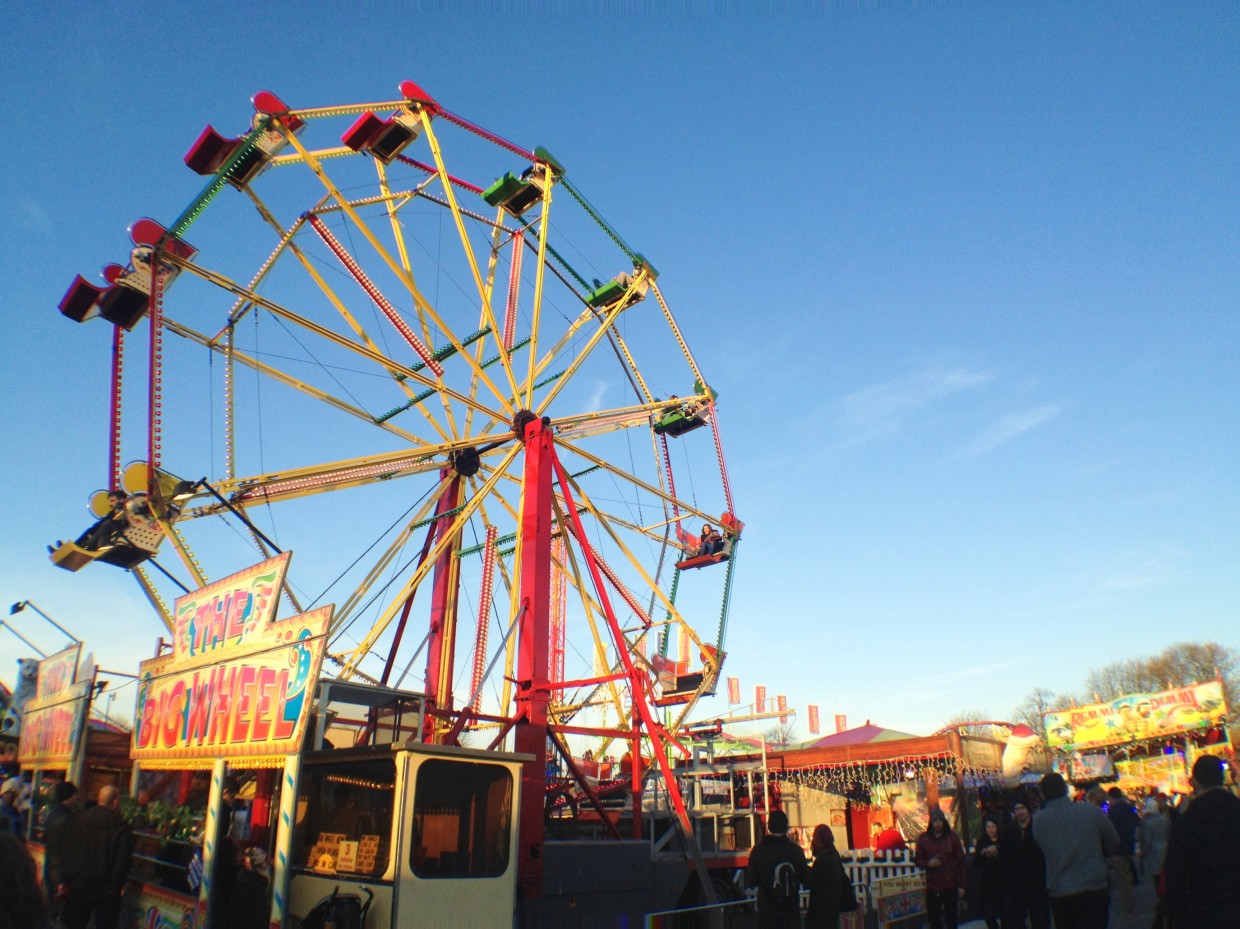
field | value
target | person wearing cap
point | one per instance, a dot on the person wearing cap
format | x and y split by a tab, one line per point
774	849
1077	840
1203	854
940	854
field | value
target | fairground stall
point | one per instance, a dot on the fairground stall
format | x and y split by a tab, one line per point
1147	742
223	708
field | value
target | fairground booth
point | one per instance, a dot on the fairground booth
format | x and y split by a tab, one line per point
217	717
1145	742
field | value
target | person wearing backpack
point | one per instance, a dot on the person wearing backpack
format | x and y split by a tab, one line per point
777	868
940	853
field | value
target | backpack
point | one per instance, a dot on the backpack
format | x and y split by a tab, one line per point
785	888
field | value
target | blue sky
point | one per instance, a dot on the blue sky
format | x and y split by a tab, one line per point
963	275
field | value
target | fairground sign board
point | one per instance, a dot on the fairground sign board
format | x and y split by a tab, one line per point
1136	717
52	720
238	683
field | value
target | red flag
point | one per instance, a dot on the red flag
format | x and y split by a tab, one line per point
759	699
734	690
813	719
782	702
841	722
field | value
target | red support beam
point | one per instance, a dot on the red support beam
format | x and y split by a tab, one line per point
440	650
533	685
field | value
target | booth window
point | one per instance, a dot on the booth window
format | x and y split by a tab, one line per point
462	819
344	816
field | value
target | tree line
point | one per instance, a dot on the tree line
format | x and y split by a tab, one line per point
1177	665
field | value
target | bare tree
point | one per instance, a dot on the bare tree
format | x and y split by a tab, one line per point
781	735
1032	712
1175	666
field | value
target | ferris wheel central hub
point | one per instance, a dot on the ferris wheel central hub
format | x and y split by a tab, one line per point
465	461
522	420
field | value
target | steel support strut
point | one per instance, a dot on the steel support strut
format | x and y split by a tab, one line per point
439	659
533	684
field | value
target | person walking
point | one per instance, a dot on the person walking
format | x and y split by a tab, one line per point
59	815
1126	820
777	868
826	881
1027	873
98	851
1077	840
1203	856
941	855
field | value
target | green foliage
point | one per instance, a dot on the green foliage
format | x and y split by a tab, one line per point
162	819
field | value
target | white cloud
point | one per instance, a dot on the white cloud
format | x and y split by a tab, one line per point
33	217
1009	427
885	408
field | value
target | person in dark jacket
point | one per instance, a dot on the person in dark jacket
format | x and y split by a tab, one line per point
98	852
992	861
21	903
248	905
64	796
940	853
1202	867
774	849
1126	820
826	881
1026	872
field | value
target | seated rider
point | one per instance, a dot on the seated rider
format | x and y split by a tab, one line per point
103	531
711	541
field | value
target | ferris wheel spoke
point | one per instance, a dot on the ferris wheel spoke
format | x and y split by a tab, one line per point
448	539
605	324
484	291
396	367
636	481
289	380
539	276
419	300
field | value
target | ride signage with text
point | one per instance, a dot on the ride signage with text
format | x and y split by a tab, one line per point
238	683
1135	717
52	720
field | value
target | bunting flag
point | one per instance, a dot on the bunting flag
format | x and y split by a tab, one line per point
734	691
759	699
813	719
782	703
841	722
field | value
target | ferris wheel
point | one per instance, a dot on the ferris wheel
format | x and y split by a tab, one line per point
417	356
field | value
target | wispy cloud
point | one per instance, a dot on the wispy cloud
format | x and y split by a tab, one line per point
1009	427
33	218
884	408
1139	571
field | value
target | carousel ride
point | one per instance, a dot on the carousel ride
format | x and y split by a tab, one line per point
414	354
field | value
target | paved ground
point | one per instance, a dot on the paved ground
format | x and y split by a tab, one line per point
1142	918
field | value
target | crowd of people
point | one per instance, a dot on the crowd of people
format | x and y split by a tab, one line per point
88	854
1036	861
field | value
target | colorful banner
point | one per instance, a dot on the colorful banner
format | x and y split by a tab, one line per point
1078	767
813	719
759	699
1136	717
246	697
52	727
899	898
56	672
841	722
734	691
781	703
228	612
